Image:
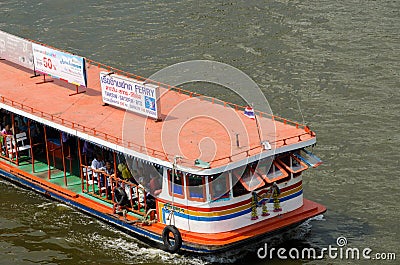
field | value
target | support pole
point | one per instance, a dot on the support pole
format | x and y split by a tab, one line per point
31	144
44	80
115	174
15	140
63	159
80	163
34	74
258	127
77	91
70	159
47	152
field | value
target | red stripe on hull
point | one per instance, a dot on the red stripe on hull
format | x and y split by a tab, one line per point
226	207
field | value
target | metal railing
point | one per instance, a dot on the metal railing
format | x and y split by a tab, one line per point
139	148
102	185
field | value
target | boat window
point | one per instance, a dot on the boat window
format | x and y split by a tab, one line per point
292	163
307	157
238	189
177	188
140	168
196	187
219	186
270	170
247	176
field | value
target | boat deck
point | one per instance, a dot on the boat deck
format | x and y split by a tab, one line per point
74	183
192	126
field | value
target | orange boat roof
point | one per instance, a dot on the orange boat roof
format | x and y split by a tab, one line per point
192	126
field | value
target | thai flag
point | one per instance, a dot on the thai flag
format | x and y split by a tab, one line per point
249	112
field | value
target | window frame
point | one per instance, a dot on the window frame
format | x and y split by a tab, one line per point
244	184
203	199
170	188
227	185
270	181
304	166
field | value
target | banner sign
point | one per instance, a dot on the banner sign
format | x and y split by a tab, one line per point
130	94
16	50
59	64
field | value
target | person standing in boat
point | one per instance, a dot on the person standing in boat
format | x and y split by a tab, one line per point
98	164
6	119
5	133
87	151
109	170
126	176
125	173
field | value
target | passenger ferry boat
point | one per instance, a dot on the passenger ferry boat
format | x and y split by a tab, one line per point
62	136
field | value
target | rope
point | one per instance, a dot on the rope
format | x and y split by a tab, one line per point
270	196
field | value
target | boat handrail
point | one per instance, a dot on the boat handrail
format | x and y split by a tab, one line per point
193	94
111	180
137	147
177	89
258	149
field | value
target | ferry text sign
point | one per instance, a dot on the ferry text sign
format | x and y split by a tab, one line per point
16	50
130	94
58	64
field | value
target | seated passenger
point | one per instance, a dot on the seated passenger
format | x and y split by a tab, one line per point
129	188
155	185
7	130
20	124
6	120
126	174
97	164
109	168
153	189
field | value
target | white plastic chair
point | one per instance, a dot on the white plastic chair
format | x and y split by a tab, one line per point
22	146
87	171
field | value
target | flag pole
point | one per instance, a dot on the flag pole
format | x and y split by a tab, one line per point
258	127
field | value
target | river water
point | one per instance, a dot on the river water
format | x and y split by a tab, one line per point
333	64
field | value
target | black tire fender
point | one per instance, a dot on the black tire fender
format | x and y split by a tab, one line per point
120	196
169	246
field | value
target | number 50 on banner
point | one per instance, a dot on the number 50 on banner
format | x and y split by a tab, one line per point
59	64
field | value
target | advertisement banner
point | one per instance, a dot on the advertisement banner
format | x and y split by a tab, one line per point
58	64
16	50
130	94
